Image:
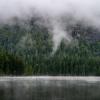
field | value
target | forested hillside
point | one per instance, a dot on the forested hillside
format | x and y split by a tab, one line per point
28	51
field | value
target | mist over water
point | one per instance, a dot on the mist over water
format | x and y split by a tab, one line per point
49	88
55	15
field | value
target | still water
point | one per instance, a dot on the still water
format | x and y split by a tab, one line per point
49	88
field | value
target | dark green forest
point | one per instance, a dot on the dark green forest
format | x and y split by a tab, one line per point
28	51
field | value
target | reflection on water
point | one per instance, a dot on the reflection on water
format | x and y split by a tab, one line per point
49	88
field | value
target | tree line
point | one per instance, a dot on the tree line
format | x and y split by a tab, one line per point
36	59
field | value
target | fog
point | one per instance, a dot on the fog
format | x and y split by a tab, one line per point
49	88
56	15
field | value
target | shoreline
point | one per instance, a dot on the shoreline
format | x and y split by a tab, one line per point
72	78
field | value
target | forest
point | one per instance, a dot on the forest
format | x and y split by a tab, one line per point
29	52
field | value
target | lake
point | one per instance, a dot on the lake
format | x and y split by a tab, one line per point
49	88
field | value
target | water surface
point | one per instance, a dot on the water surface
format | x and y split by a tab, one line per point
49	88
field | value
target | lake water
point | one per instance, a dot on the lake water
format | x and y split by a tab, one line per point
49	88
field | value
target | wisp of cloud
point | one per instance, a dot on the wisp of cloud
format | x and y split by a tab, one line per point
56	15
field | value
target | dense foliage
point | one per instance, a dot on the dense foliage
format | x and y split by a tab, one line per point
10	64
29	52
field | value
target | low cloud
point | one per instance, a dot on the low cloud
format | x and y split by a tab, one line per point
56	15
